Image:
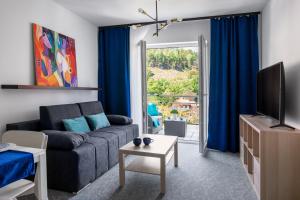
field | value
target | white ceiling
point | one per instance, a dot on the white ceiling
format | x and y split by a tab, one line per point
112	12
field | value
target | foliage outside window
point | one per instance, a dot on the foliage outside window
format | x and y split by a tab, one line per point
172	81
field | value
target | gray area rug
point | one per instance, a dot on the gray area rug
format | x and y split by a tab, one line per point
218	176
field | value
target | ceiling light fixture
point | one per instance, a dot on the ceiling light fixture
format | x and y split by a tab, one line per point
159	26
136	26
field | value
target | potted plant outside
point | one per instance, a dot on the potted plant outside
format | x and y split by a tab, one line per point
174	113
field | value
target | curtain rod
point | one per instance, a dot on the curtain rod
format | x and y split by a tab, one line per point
184	19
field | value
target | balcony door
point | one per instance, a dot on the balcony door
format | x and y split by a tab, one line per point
175	77
203	93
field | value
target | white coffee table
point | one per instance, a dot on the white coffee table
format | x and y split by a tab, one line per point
152	159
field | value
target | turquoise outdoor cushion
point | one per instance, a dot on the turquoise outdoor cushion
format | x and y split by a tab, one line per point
156	122
77	125
98	121
152	109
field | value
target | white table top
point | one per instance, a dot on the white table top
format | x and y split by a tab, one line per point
159	147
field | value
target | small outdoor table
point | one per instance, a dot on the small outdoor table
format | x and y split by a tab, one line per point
175	127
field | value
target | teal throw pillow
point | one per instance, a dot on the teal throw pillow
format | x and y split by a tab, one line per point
152	109
98	121
77	125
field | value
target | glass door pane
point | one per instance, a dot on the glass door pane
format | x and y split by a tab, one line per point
172	74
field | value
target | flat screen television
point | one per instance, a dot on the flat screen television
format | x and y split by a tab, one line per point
271	92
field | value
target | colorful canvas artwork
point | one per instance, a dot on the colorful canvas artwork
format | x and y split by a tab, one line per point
55	58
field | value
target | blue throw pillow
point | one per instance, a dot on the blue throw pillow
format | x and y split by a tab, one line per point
155	120
98	121
77	125
152	109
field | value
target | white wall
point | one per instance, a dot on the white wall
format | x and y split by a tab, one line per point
16	56
136	75
281	42
180	32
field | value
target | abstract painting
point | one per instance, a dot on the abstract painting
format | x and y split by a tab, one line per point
55	58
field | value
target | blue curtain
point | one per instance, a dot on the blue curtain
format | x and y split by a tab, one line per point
234	66
113	73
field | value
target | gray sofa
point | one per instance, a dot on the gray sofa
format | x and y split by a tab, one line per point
73	159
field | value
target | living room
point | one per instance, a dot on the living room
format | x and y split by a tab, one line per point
74	99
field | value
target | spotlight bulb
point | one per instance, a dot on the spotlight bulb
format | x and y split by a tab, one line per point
174	20
134	27
141	11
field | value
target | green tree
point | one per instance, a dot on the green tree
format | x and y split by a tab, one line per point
161	91
149	74
157	88
172	58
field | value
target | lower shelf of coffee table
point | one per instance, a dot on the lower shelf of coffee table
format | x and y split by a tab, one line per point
147	165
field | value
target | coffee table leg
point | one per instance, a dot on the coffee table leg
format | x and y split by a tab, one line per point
176	154
121	169
162	175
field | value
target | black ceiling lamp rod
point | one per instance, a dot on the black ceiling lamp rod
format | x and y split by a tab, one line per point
185	19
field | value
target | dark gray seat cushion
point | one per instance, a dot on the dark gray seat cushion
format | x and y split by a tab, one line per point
101	154
64	140
121	134
113	146
51	116
132	130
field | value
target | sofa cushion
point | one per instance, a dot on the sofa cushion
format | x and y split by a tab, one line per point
101	150
98	121
131	130
113	146
51	116
77	125
64	140
119	119
121	134
90	108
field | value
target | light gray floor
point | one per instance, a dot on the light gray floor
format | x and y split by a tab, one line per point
219	176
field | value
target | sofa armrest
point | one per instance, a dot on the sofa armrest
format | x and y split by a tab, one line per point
64	140
119	120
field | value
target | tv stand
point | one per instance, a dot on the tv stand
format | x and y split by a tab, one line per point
270	157
282	125
256	115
